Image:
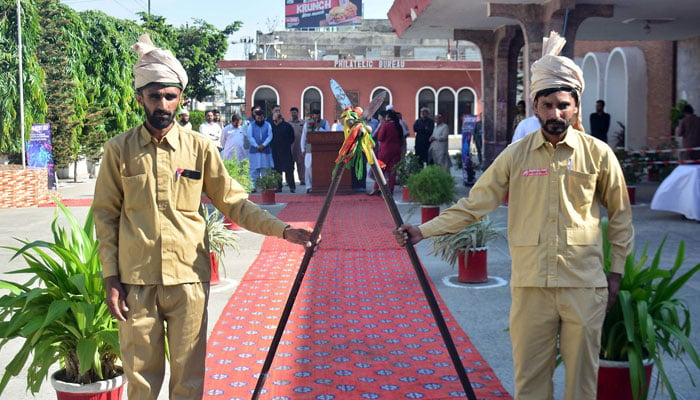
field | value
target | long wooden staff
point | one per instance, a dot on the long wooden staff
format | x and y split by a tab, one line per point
315	234
427	291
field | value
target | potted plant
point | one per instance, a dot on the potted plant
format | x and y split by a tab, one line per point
220	238
632	164
240	172
61	313
468	248
647	321
404	169
268	184
431	187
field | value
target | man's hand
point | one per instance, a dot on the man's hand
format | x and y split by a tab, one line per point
407	232
300	236
613	288
116	298
260	147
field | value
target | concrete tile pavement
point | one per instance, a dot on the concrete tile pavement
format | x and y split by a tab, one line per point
481	310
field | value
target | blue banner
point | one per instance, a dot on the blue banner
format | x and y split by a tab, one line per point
40	151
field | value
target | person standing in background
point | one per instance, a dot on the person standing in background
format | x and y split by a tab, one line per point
313	124
259	154
184	120
234	140
423	127
282	141
438	150
297	155
211	129
689	130
600	122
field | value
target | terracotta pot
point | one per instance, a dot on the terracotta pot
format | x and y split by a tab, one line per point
631	192
267	197
614	379
428	212
110	389
405	195
473	267
214	280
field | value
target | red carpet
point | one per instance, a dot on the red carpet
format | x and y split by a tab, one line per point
361	327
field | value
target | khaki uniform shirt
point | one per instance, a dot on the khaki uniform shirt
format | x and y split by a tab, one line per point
146	206
554	226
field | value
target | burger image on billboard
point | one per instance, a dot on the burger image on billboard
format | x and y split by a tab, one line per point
337	15
350	10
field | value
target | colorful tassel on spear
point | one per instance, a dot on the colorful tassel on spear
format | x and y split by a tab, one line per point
358	140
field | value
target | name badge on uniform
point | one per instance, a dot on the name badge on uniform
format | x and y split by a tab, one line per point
535	172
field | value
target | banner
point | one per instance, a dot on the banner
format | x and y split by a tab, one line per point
40	151
302	14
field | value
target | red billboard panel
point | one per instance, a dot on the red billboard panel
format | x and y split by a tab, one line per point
322	13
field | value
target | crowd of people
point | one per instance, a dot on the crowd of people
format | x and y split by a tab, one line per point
269	141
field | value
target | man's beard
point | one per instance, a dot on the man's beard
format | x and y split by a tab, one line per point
259	123
555	126
160	119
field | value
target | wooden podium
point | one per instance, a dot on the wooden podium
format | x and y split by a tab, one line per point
324	151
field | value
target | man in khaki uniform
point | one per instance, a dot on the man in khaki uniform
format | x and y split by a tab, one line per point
153	241
557	179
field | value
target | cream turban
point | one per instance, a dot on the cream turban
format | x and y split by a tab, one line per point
553	71
156	65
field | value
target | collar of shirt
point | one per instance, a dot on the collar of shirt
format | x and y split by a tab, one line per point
570	139
171	137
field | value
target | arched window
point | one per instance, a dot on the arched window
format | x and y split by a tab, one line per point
446	107
265	97
465	102
426	98
311	100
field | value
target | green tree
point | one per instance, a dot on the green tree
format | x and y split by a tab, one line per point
110	84
62	58
34	101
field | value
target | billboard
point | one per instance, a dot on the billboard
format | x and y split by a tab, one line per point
40	151
300	14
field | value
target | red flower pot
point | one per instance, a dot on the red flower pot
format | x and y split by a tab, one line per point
214	280
614	380
428	212
110	389
267	197
631	192
473	267
405	195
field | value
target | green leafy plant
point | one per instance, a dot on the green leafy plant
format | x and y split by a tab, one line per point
632	164
432	186
407	167
240	172
662	170
269	180
649	319
474	236
676	113
220	237
60	312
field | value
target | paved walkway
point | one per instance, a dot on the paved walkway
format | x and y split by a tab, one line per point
481	310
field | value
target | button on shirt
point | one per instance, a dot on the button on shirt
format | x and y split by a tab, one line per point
146	206
554	226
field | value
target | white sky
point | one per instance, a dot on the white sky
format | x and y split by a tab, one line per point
256	15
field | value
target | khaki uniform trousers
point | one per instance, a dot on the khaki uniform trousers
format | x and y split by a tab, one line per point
536	316
156	311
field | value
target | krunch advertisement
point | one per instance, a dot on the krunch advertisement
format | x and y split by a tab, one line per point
301	14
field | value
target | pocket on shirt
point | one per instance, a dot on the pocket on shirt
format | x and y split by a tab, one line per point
189	194
136	192
580	187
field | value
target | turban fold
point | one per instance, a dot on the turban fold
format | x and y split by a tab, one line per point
156	65
554	71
